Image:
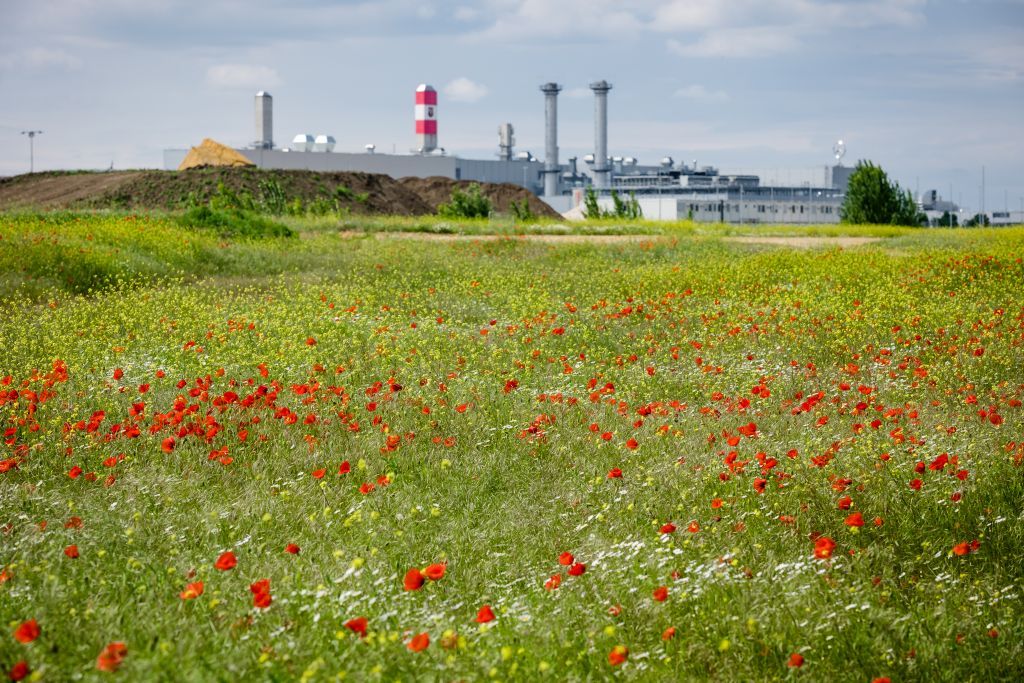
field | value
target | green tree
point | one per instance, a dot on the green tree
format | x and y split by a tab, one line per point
977	220
872	198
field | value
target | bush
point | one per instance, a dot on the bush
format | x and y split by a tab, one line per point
470	204
232	223
627	209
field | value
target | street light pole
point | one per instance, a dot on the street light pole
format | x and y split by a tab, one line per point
31	148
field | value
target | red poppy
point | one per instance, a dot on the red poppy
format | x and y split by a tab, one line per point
71	551
661	593
823	547
226	561
578	569
669	633
192	591
310	341
632	444
566	559
915	484
796	660
668	528
716	503
962	549
554	582
344	468
618	655
485	615
111	656
419	642
434	572
19	671
27	631
615	473
261	593
75	472
856	519
845	502
693	528
292	549
118	373
168	444
357	625
319	474
759	484
414	579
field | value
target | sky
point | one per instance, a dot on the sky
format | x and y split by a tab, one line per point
931	90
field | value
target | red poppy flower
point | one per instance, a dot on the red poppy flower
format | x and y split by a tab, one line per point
915	484
845	502
75	472
310	341
962	549
669	633
796	660
19	671
615	473
485	615
344	468
261	593
419	642
566	559
319	474
435	572
759	484
554	582
192	591
632	444
118	373
111	656
856	519
226	561
661	593
27	631
668	528
578	569
292	549
414	579
823	547
618	655
71	551
716	503
693	528
357	625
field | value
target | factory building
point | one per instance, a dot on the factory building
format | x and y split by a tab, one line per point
666	191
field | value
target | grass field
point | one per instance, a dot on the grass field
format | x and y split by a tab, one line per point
766	463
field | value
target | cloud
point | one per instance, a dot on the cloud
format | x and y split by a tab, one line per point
699	93
464	90
249	76
738	42
41	58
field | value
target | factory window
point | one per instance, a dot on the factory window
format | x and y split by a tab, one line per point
801	208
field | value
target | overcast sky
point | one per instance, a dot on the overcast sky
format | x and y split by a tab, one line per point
930	89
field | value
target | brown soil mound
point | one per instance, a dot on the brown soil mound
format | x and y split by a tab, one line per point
57	190
437	190
359	193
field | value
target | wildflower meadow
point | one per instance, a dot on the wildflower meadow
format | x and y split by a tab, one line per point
365	456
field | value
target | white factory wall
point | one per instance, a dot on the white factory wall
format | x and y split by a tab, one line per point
723	209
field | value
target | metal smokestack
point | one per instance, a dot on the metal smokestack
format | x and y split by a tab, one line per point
602	177
550	91
264	120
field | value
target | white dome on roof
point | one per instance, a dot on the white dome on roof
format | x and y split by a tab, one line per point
303	142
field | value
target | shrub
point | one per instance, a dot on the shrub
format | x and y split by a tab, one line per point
232	223
469	204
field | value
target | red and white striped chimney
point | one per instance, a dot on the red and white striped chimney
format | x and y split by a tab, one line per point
426	118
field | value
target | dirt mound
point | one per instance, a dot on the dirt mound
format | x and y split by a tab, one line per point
437	190
212	153
57	190
359	193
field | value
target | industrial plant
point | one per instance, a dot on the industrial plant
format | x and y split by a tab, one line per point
668	190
